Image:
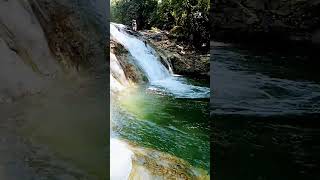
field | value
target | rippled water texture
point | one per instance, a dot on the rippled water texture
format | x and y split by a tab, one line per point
265	107
176	126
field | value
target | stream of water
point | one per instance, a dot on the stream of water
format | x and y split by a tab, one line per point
159	77
168	114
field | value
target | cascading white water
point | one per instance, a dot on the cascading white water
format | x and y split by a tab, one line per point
159	77
153	69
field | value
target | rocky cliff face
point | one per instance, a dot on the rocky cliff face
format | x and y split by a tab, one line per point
26	58
76	30
41	38
288	20
55	48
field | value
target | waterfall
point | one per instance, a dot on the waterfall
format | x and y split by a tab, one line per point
159	77
153	69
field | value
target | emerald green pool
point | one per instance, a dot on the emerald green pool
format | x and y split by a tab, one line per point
177	126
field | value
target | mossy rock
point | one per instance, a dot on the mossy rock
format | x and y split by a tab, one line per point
177	31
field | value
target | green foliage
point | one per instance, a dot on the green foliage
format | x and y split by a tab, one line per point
191	15
124	11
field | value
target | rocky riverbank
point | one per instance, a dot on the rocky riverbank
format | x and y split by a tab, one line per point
183	58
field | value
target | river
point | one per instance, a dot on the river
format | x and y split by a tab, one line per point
265	108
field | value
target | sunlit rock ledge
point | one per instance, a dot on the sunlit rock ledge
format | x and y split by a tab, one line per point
149	164
152	164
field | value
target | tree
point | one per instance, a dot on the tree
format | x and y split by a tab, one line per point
192	16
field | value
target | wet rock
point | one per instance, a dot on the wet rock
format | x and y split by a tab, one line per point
152	164
132	72
43	39
182	59
75	31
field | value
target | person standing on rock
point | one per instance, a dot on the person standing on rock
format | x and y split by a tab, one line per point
134	25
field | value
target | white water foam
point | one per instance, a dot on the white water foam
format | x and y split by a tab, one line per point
159	77
120	154
120	160
118	81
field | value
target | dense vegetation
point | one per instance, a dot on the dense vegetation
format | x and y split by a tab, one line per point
187	20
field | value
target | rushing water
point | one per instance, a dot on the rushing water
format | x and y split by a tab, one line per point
159	77
265	107
167	114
